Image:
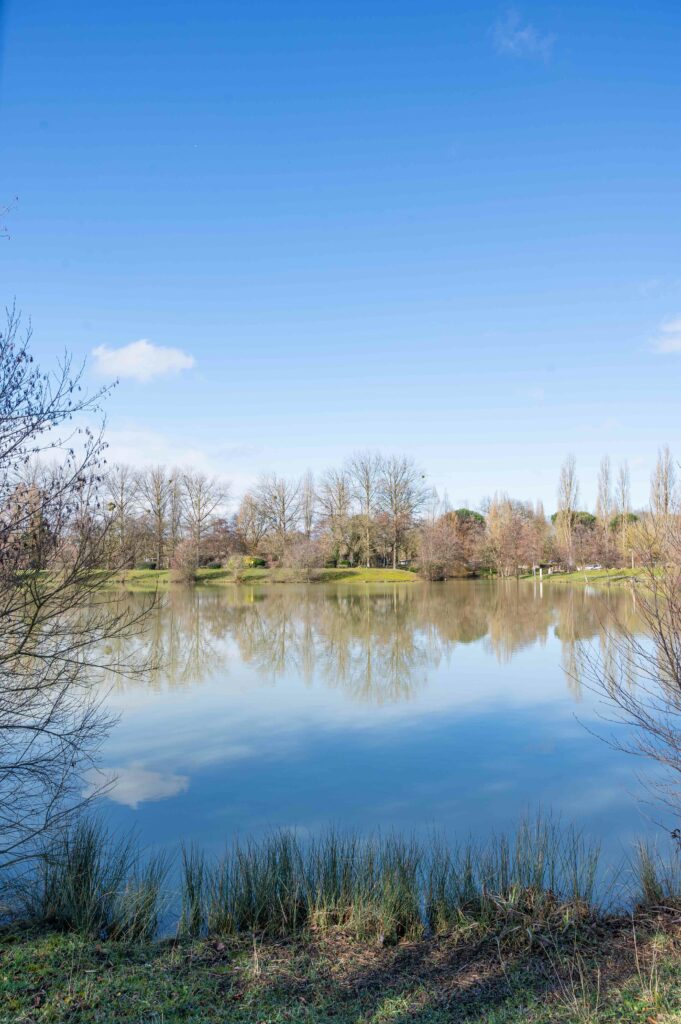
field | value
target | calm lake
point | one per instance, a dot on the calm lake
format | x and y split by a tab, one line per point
456	706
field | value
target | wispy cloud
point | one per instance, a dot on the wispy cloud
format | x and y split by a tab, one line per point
669	337
141	360
134	785
138	445
516	38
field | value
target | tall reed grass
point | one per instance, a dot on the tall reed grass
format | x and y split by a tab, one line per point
539	879
392	887
93	883
657	876
279	886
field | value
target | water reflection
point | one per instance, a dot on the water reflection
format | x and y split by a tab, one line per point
407	707
134	784
377	644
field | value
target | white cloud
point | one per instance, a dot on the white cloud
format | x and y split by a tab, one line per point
135	785
141	360
669	337
517	39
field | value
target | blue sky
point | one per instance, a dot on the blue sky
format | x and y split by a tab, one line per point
448	229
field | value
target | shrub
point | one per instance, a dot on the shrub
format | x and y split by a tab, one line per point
539	879
183	565
236	565
658	878
91	883
145	565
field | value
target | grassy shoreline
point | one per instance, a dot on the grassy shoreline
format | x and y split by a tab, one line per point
160	579
619	972
153	579
341	929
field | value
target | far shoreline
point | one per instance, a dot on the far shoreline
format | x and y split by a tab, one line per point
160	579
153	579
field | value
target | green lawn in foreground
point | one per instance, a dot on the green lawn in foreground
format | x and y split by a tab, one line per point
143	579
55	979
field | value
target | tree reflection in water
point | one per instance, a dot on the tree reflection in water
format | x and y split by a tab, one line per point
376	643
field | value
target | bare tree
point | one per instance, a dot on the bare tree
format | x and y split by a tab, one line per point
638	669
281	507
568	496
512	534
33	484
176	512
538	544
663	484
121	495
605	510
203	496
623	490
335	503
365	470
184	562
440	551
401	495
604	493
251	523
623	503
156	489
55	640
307	554
308	499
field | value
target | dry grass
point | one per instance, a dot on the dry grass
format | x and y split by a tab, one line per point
617	974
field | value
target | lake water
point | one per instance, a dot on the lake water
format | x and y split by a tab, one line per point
456	706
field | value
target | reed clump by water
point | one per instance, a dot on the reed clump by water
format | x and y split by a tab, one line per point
279	886
539	881
93	883
657	877
390	888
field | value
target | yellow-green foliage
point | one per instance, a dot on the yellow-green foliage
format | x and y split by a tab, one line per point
152	579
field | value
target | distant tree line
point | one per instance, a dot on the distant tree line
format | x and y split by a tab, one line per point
374	510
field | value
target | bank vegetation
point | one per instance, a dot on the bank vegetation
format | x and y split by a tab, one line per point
374	512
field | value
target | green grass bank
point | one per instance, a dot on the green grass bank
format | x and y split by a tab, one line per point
620	972
337	928
160	579
153	579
